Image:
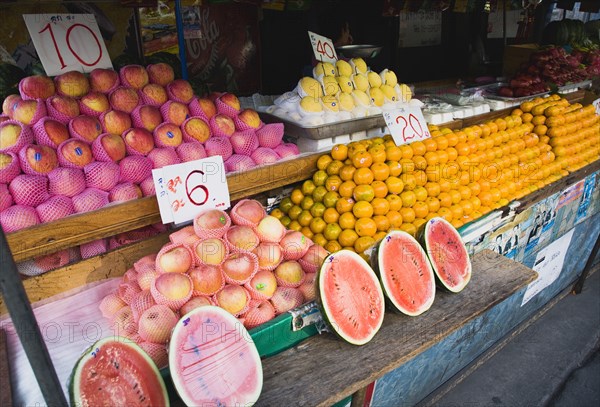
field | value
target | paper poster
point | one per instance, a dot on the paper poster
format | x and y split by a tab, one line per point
420	29
548	264
586	197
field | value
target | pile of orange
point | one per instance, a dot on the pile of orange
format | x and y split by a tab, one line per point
366	188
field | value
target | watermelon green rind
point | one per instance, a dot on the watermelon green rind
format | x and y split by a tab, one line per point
216	335
452	267
75	380
365	303
410	285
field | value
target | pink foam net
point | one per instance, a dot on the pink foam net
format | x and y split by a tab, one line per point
13	169
41	136
101	175
44	154
125	191
25	137
247	205
128	291
18	217
66	181
147	187
284	283
85	109
130	149
163	156
148	100
157	352
56	207
165	110
244	142
172	91
200	120
224	108
43	264
110	305
40	112
6	199
248	245
26	96
161	321
216	229
191	151
138	120
221	129
91	125
93	248
125	117
171	131
90	199
101	87
286	298
144	80
286	150
123	100
239	162
236	260
166	248
174	304
99	151
264	155
241	125
78	149
196	109
270	135
218	146
259	314
58	115
135	168
30	190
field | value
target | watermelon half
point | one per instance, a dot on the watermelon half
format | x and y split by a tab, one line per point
405	273
117	372
213	360
350	296
447	253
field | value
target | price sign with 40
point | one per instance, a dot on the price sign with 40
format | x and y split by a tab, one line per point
323	48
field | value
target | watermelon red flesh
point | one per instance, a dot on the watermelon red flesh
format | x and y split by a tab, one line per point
405	273
213	360
117	373
351	297
448	254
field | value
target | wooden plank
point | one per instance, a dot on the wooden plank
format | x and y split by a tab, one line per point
74	230
111	264
343	369
5	388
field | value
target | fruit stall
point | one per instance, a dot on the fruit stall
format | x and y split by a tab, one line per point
381	264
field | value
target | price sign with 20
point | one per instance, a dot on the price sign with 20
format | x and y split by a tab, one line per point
184	190
322	47
406	125
67	42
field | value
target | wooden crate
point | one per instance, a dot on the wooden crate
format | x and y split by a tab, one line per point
515	55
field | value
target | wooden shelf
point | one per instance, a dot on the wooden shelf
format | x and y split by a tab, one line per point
74	230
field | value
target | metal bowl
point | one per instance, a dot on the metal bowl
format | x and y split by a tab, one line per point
359	51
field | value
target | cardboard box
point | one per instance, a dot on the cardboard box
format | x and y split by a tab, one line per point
515	55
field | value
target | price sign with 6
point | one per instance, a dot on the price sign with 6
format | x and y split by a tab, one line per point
323	48
406	124
183	190
67	42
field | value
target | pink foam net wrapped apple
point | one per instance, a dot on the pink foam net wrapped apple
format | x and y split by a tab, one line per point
243	261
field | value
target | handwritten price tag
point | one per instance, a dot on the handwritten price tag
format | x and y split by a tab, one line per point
596	104
186	189
67	42
323	48
406	124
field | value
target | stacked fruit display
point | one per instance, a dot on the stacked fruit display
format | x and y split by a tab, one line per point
245	262
340	91
77	143
362	190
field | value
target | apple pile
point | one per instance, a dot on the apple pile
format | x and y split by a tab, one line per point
243	261
76	142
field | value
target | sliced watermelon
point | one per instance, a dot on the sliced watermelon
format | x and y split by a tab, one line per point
117	372
213	360
350	296
447	253
405	273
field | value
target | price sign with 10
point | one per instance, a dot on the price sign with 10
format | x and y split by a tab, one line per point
406	124
323	48
186	189
67	42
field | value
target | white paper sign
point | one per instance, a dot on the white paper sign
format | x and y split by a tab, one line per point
67	42
596	104
323	48
420	29
186	189
548	264
406	124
